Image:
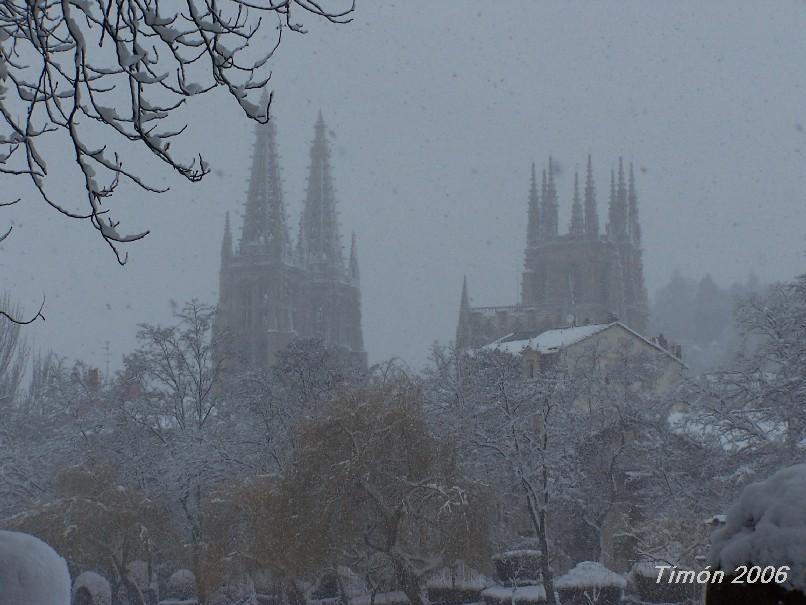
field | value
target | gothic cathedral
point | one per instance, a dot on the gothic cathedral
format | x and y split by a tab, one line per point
580	277
271	292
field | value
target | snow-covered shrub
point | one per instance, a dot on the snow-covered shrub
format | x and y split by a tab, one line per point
589	583
521	595
181	585
327	587
518	566
264	582
91	588
765	527
138	573
31	572
644	577
238	590
456	585
396	597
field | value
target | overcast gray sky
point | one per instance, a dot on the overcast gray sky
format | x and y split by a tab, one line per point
437	111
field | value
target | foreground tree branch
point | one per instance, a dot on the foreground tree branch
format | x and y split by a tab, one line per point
94	73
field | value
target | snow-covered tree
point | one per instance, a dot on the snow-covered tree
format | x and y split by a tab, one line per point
168	417
369	486
267	405
512	433
756	408
13	355
96	522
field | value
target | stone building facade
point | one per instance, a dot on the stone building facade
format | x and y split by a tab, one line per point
272	291
584	276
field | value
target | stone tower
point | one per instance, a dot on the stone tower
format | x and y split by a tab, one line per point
332	296
271	293
582	276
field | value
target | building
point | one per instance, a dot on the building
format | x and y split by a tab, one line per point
272	291
584	276
593	346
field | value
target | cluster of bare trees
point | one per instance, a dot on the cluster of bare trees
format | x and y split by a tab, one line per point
319	464
314	464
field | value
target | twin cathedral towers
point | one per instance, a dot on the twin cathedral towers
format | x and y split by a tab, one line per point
273	291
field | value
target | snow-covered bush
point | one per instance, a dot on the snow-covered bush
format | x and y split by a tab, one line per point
264	582
145	580
455	585
588	583
396	597
235	591
522	595
518	566
182	585
644	579
765	527
91	588
31	572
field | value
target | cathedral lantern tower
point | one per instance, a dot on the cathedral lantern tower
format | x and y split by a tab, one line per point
582	276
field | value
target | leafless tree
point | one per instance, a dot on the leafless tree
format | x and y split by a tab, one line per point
13	354
91	75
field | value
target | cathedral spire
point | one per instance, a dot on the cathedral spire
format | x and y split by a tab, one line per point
617	211
591	213
354	274
533	222
464	328
621	203
621	188
550	206
264	223
226	242
577	227
632	197
319	242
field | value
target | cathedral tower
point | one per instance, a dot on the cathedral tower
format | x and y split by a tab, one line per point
270	293
583	276
331	289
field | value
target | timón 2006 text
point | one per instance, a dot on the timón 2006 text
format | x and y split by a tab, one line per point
742	575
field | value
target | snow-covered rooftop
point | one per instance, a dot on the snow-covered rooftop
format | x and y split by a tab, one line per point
547	342
767	526
553	341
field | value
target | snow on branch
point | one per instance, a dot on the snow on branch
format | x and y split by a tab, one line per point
119	71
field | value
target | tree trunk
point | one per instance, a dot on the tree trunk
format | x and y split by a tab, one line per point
539	524
295	595
409	584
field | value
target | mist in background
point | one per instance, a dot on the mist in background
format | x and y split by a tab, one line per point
436	111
